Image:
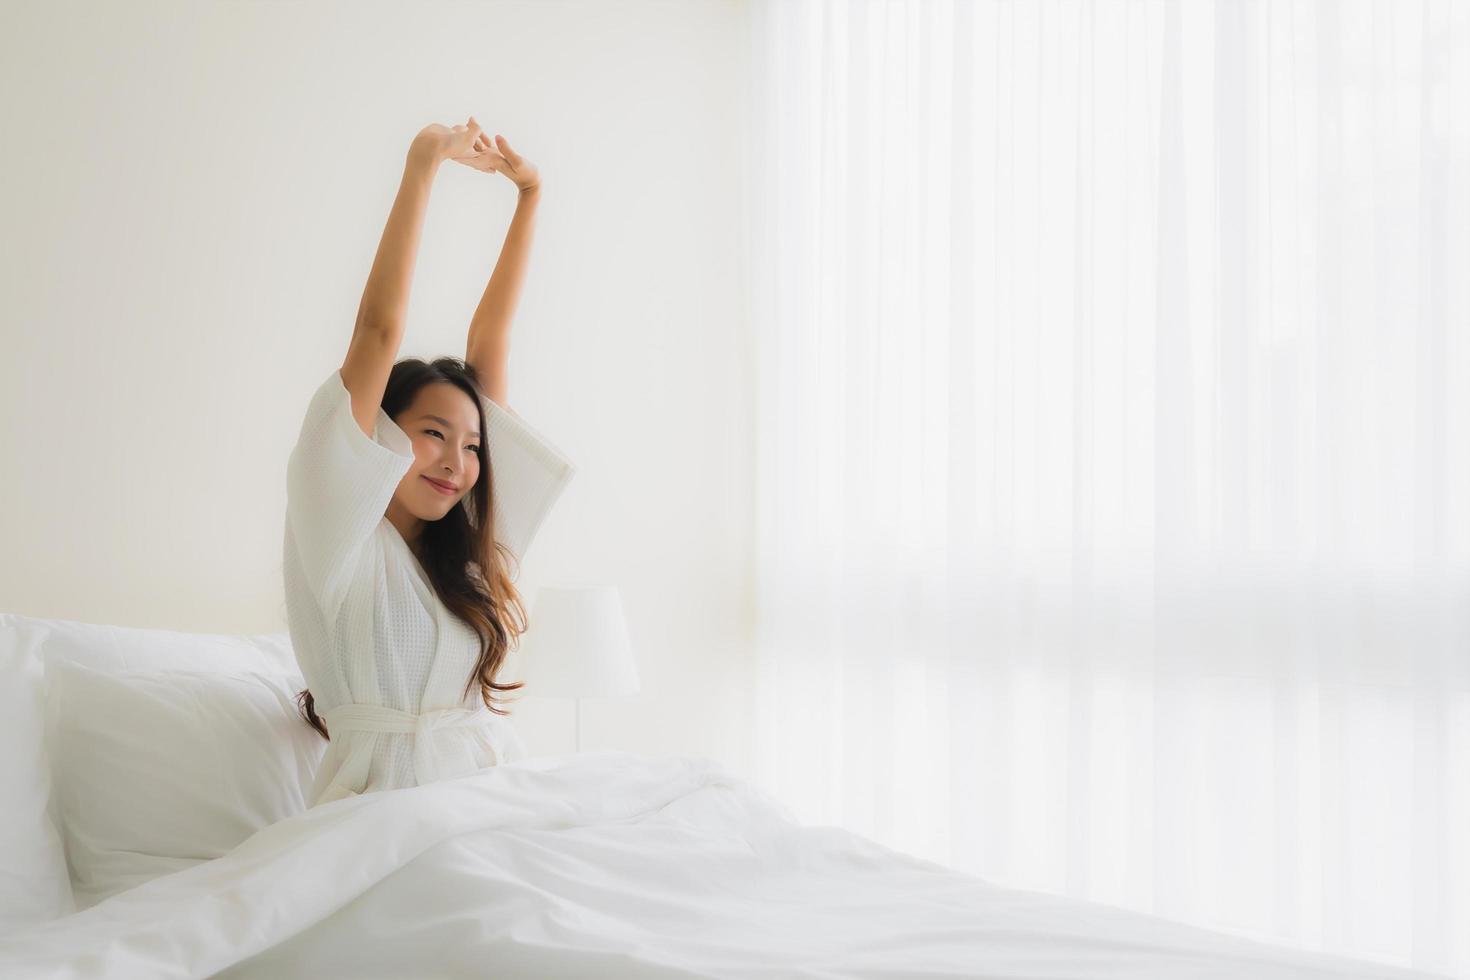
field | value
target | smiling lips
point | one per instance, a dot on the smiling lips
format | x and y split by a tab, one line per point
447	489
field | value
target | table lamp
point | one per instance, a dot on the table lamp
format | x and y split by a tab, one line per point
576	646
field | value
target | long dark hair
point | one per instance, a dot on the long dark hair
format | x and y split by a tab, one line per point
473	579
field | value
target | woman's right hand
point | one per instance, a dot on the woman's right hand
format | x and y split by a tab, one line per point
436	143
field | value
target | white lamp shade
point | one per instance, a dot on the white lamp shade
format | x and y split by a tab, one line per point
576	644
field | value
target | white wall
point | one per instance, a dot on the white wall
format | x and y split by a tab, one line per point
192	198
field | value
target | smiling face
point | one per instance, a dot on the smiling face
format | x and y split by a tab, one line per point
444	425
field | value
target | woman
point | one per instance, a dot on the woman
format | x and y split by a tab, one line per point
410	491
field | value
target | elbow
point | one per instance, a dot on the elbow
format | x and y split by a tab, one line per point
385	329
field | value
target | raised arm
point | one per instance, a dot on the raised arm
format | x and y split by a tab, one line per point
487	348
385	297
381	315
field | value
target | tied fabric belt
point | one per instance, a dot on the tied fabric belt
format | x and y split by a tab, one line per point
428	758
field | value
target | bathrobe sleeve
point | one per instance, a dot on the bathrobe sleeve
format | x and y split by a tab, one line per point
528	475
338	486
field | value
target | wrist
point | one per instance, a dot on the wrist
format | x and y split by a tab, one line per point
424	156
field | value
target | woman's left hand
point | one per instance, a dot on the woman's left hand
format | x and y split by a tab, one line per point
499	157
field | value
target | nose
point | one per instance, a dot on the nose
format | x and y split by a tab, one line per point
454	468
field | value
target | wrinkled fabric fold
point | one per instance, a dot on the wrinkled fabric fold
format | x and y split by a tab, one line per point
610	864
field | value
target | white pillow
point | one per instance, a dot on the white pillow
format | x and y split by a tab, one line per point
155	771
134	648
35	887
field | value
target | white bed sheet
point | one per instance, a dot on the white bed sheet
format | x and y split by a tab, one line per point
610	864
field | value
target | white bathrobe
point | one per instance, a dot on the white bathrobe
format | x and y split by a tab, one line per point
385	661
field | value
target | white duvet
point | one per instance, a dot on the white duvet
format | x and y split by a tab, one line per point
609	864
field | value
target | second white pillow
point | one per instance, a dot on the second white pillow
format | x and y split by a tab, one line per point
155	771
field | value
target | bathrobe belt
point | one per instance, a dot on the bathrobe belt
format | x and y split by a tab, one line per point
428	759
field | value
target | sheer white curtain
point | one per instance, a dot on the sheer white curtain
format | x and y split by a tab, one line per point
1113	396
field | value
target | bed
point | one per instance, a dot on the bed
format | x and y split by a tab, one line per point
156	827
